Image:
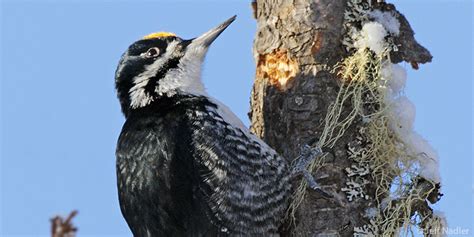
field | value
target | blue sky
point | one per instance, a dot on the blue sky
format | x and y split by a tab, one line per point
60	118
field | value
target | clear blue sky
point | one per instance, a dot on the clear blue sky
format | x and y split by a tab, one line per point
60	118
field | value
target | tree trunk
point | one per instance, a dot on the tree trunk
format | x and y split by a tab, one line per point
297	44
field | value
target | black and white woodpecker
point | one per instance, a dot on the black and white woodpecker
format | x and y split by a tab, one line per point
186	165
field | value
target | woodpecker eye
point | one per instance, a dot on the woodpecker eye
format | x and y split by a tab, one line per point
152	52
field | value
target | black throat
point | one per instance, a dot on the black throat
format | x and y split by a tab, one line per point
165	104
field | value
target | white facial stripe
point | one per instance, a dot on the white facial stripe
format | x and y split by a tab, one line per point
187	78
138	96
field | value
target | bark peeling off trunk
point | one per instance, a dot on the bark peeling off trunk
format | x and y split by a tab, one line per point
278	68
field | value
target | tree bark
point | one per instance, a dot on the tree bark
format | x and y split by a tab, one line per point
297	43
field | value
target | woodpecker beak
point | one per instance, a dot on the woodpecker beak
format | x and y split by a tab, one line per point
207	38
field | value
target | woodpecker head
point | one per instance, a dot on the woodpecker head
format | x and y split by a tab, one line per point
162	65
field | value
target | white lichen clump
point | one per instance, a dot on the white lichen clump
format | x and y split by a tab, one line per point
367	230
357	174
355	188
356	184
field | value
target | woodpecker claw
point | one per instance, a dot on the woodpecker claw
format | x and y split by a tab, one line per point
324	193
307	155
314	185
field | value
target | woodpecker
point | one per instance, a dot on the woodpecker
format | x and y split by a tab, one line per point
186	165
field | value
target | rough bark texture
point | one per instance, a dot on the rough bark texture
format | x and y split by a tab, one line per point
296	44
289	116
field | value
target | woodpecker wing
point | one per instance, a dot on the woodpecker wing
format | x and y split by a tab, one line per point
245	181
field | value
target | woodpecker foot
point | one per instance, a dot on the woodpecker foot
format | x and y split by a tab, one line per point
307	155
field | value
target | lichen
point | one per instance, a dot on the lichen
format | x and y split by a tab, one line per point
380	151
368	230
357	173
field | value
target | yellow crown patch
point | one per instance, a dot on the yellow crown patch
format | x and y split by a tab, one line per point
159	35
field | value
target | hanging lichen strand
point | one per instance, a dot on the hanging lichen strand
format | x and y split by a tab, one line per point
386	149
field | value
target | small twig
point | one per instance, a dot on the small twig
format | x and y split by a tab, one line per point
254	8
61	227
